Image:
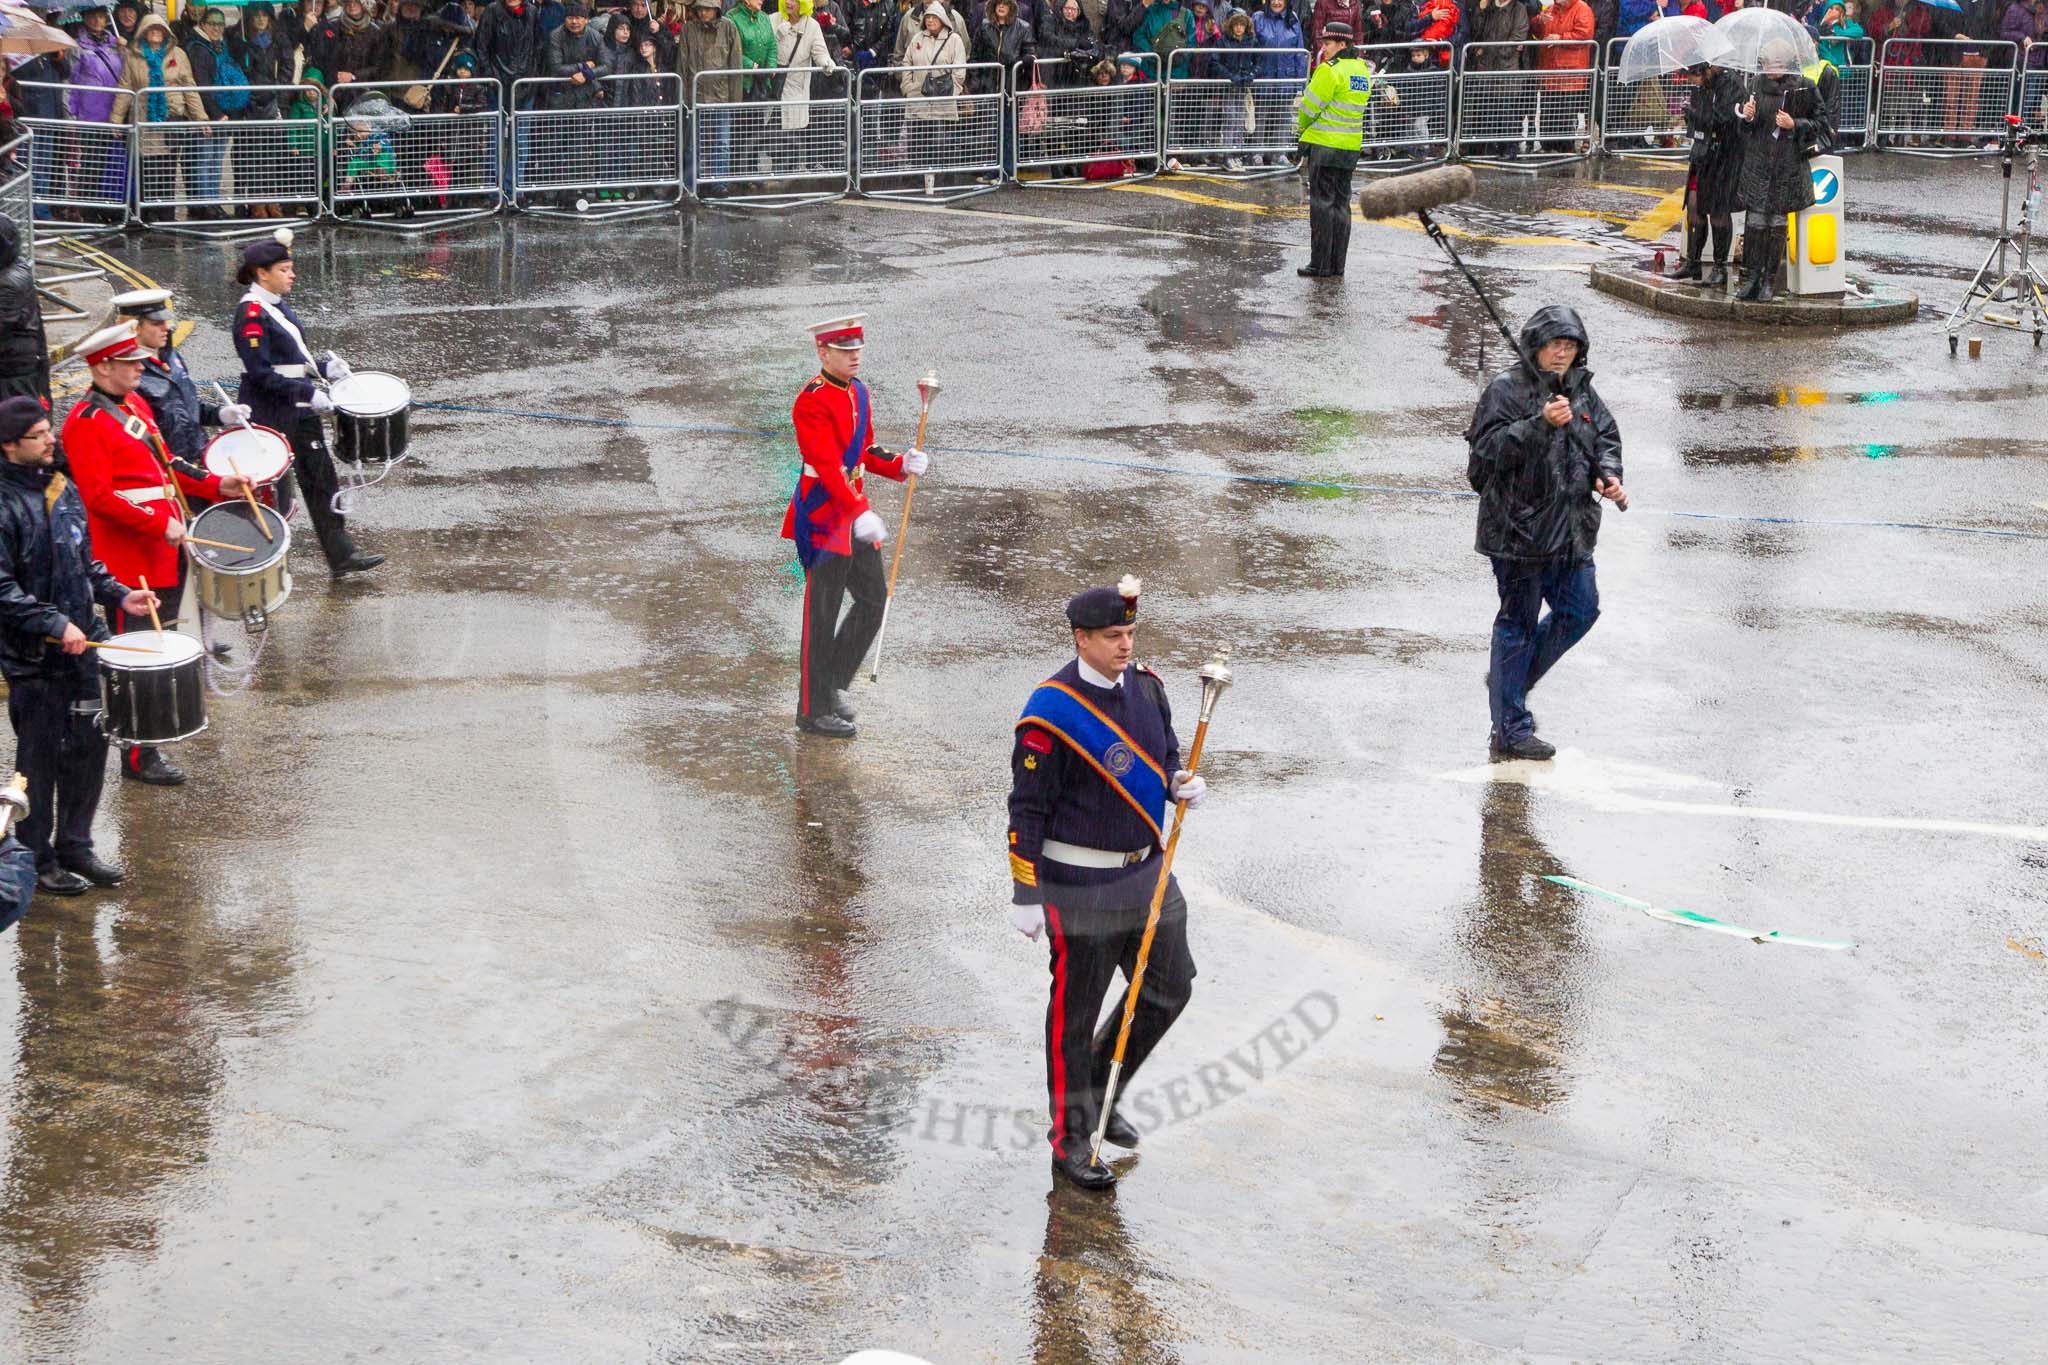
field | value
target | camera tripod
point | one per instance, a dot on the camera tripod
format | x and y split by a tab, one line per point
2001	280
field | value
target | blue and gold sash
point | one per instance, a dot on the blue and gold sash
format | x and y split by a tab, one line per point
1125	765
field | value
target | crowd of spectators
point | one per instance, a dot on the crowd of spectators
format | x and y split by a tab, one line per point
259	62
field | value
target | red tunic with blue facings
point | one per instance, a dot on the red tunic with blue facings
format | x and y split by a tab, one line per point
824	417
106	464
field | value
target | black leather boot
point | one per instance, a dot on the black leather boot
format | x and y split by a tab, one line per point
1076	1167
1688	267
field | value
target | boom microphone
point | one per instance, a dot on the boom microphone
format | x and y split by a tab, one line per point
1417	192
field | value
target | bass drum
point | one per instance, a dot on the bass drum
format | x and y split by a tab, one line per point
245	584
151	689
371	416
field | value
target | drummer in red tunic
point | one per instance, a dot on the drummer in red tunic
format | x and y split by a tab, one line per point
837	534
118	460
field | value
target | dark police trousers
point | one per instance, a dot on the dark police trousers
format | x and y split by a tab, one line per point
833	649
61	750
1329	206
168	601
313	474
1088	948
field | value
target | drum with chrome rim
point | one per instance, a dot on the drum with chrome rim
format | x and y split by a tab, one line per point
248	583
258	454
151	688
371	415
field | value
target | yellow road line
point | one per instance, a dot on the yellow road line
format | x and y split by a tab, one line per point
1646	191
1295	212
1601	215
1658	218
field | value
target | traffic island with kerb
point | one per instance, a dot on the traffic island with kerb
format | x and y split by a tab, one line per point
1866	303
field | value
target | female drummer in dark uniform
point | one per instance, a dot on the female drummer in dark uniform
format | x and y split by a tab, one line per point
278	372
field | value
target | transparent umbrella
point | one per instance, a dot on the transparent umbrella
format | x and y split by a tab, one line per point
1764	40
1663	46
21	35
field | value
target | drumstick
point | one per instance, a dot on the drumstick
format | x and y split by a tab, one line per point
261	524
222	394
109	644
153	618
219	544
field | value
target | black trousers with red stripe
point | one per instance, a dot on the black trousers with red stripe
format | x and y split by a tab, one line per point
832	648
1089	948
168	600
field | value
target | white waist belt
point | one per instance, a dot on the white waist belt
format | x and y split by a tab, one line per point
292	371
1073	855
142	497
852	477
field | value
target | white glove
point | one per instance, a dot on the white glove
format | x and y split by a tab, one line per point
915	461
321	402
234	415
1028	920
337	368
1188	787
869	530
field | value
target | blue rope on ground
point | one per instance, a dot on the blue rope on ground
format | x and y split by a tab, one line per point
1271	480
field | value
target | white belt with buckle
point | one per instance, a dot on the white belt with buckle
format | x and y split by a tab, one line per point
811	473
142	497
1074	855
292	371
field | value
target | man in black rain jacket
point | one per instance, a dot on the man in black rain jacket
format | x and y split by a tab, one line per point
1542	451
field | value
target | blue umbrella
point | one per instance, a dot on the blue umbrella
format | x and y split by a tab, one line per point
1950	5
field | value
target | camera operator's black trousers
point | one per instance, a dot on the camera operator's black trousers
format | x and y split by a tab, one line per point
60	749
1089	947
833	649
1329	207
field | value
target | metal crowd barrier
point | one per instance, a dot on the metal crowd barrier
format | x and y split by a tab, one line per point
17	195
432	164
1226	118
937	147
1940	107
772	149
1408	118
1525	120
1853	88
80	166
212	171
621	155
1643	118
1091	135
2033	110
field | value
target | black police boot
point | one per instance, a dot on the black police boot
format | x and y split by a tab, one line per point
94	869
56	881
148	765
842	704
1119	1131
1076	1167
827	726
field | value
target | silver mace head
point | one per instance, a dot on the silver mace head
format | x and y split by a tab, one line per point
1215	677
928	388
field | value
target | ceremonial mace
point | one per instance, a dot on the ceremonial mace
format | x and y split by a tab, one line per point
927	389
1215	677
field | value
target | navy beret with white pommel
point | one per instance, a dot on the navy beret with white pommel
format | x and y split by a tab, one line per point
268	251
1101	608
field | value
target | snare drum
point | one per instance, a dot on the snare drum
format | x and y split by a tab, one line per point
371	411
156	696
259	454
243	585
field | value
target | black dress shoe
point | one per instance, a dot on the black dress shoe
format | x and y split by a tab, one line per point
95	869
221	649
1528	747
153	770
1716	277
57	882
830	727
1075	1167
842	704
362	561
1119	1131
1309	272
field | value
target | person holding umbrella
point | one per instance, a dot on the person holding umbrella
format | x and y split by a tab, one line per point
1782	117
1692	46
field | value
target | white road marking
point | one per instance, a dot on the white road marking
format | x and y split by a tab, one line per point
1616	786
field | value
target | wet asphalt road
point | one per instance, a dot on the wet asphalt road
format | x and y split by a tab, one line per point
513	983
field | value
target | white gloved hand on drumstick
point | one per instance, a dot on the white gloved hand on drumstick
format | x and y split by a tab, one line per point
336	369
869	530
234	414
321	402
915	461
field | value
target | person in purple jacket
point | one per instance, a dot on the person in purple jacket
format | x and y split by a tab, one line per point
95	77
